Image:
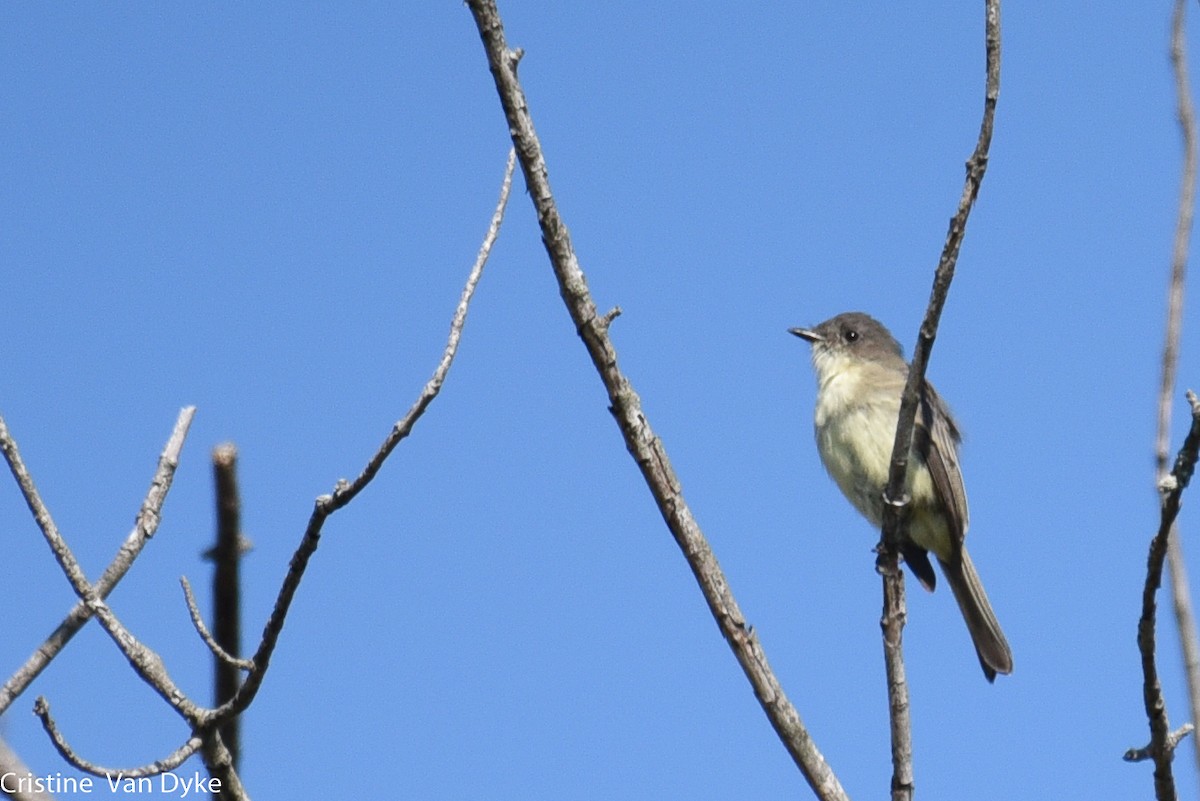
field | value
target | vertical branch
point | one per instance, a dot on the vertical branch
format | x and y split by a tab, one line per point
896	500
976	166
1184	618
1165	546
1185	622
1183	233
894	615
226	556
1152	697
1162	742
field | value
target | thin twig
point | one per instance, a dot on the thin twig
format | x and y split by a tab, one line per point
173	760
895	510
144	528
1171	487
223	656
1181	596
1183	232
345	491
1147	752
401	429
647	449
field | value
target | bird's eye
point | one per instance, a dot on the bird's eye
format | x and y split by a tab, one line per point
851	336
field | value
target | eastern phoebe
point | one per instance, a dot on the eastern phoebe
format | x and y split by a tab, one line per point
860	376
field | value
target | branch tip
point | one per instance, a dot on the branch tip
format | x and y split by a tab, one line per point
1147	751
345	491
201	629
609	316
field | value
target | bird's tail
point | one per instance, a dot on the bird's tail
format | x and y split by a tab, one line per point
994	654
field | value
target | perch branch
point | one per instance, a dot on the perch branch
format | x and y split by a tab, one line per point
1180	594
1171	487
896	507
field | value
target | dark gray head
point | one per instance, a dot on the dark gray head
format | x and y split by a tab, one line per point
852	335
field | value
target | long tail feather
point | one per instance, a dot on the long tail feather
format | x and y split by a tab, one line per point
994	654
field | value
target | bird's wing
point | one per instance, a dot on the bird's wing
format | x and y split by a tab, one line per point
936	438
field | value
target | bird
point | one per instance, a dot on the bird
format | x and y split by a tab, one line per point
861	373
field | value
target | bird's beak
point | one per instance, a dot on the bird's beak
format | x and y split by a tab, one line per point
805	333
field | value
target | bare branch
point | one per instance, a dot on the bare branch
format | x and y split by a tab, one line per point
1185	622
1181	596
144	528
226	556
205	723
894	617
198	621
345	494
646	448
345	491
176	758
1183	233
144	661
1172	487
12	765
895	509
220	766
1146	752
147	663
976	166
609	316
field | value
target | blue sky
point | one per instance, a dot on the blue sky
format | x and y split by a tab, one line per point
269	212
